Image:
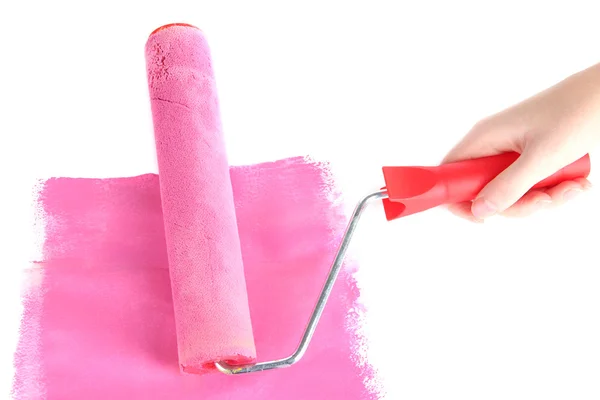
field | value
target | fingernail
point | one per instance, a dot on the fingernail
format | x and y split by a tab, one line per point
482	208
571	194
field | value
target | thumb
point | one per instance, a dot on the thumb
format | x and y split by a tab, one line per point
511	184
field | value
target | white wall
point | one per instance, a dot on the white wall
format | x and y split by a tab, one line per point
504	310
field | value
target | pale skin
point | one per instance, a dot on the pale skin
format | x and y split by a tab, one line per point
550	130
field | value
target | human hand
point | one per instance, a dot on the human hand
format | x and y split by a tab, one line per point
550	130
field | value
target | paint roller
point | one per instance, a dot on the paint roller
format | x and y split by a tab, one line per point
212	317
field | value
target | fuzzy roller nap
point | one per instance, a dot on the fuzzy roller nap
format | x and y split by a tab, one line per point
210	301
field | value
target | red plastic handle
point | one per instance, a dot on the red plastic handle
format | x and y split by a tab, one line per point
415	189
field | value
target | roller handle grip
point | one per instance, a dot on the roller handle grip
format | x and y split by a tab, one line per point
465	179
415	189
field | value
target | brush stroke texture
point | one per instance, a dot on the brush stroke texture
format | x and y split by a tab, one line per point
98	319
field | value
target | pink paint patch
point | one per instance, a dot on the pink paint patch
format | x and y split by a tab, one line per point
99	324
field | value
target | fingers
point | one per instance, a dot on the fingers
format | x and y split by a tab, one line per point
527	205
510	185
531	202
537	200
568	190
507	188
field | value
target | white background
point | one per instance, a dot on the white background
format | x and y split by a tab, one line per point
506	310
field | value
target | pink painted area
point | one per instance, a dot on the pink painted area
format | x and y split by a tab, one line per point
201	233
100	321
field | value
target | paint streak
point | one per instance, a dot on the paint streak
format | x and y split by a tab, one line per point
99	321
